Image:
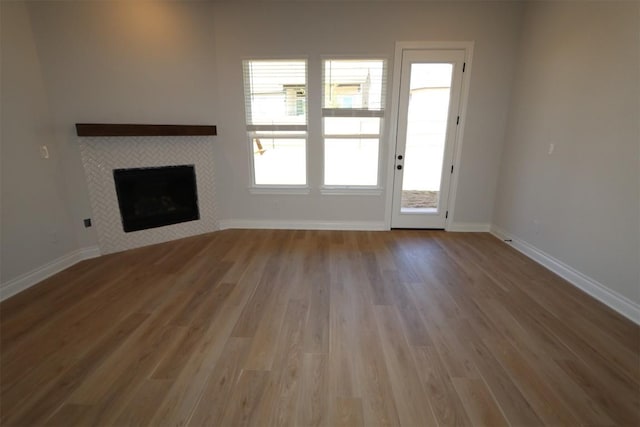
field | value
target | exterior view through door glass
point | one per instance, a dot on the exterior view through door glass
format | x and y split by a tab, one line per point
427	120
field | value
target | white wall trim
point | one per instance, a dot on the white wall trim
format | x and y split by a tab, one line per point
469	227
619	303
303	225
38	274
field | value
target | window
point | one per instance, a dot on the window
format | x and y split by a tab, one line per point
352	112
276	109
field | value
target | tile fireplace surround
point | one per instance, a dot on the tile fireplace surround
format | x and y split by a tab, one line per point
101	155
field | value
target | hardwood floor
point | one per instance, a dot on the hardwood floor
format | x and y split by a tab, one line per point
268	327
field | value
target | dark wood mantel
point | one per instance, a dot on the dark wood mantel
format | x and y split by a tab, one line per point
118	129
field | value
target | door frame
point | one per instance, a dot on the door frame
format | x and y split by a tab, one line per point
400	47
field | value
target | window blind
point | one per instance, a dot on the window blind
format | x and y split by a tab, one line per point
353	88
275	95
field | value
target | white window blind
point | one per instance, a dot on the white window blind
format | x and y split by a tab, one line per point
352	111
353	88
276	94
276	115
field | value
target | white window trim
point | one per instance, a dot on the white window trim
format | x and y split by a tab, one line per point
350	190
356	190
275	189
351	112
294	190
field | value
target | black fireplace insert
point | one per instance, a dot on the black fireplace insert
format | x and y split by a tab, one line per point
157	196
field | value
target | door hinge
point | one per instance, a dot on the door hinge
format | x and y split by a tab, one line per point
446	215
451	168
458	120
464	65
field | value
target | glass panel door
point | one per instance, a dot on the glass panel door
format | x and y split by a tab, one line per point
429	93
426	131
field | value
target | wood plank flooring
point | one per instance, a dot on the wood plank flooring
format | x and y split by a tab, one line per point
316	328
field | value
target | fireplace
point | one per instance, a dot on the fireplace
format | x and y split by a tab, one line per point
156	196
101	156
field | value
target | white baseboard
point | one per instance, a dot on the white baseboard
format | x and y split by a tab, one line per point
303	225
37	275
619	303
469	227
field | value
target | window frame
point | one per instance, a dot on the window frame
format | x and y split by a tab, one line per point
350	189
251	130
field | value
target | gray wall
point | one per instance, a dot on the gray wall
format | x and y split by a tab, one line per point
123	62
36	225
181	62
578	88
313	29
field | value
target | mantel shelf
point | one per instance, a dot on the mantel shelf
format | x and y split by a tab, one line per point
117	129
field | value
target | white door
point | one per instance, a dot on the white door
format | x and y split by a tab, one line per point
428	117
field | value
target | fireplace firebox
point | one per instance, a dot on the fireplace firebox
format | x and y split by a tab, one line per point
156	196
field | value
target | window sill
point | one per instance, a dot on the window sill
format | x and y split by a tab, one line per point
351	191
274	190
